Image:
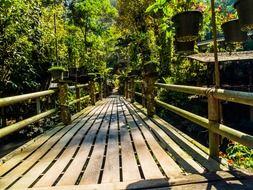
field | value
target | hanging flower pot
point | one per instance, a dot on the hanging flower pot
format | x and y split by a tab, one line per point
187	25
245	9
66	75
184	47
232	31
73	74
56	73
82	75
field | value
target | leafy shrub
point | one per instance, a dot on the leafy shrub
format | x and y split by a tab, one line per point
240	155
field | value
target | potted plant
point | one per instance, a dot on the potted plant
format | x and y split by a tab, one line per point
245	9
66	75
232	31
82	76
184	47
187	25
56	72
73	74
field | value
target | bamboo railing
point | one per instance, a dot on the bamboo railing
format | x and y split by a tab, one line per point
214	95
62	101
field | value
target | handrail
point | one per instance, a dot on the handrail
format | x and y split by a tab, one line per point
16	99
222	94
185	89
78	86
138	94
79	100
17	126
138	81
220	129
213	94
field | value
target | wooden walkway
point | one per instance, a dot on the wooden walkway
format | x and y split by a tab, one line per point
115	146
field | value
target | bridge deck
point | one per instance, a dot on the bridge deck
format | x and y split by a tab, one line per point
111	146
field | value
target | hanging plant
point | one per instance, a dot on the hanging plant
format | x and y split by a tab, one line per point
245	9
232	31
56	72
187	25
184	47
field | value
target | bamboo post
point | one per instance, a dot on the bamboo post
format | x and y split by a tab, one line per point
38	106
213	117
100	88
143	100
63	101
214	105
92	92
4	123
104	88
126	88
150	95
78	104
132	89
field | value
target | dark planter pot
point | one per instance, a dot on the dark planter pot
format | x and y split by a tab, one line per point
232	31
73	74
82	71
245	9
150	69
57	74
83	79
66	75
184	47
187	25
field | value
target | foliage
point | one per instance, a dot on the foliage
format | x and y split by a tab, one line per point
58	68
239	155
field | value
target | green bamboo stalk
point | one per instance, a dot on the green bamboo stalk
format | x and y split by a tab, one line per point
218	128
20	125
16	99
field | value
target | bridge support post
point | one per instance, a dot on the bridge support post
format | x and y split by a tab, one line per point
100	88
78	104
213	116
132	89
143	99
149	83
63	101
126	88
104	88
92	92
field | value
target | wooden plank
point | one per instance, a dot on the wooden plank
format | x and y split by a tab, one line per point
233	180
169	166
112	166
47	160
148	164
17	156
129	164
64	159
34	158
204	159
72	173
51	175
185	142
183	158
93	169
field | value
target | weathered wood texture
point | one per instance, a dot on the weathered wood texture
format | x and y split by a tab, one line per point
115	145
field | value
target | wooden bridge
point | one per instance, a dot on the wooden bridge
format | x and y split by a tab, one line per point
114	145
